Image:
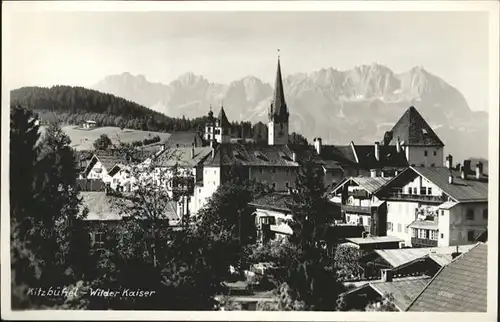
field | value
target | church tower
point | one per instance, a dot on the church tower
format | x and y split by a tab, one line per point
222	127
210	127
278	114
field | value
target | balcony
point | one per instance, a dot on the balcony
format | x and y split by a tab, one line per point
421	242
361	194
355	209
424	198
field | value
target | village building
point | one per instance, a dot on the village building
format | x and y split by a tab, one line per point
460	286
369	243
359	204
89	124
402	290
408	261
413	135
437	206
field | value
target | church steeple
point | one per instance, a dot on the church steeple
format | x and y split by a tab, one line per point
278	113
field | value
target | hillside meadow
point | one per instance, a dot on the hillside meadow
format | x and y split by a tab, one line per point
83	139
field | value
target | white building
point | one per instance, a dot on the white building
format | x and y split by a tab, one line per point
437	206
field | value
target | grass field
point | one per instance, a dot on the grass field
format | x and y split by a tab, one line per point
83	139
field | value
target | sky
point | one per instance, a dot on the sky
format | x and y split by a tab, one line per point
81	48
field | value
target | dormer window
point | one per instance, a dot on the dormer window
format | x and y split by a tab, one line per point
424	132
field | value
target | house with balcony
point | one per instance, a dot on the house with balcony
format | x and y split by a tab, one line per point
437	206
273	212
360	206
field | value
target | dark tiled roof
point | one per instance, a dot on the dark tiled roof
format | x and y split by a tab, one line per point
280	201
388	156
277	201
460	286
257	155
223	121
185	139
403	290
182	156
343	154
414	130
371	184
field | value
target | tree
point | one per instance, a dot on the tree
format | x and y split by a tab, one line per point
346	262
103	142
48	240
297	138
311	275
385	305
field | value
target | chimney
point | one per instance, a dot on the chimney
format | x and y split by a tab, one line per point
467	167
455	254
398	146
457	167
373	173
377	151
450	178
479	170
192	151
213	153
449	161
294	156
463	172
386	275
289	190
317	145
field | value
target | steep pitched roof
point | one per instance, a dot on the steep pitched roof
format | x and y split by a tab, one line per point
371	184
278	111
414	130
460	286
343	154
223	121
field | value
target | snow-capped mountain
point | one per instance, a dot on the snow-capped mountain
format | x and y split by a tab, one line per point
340	106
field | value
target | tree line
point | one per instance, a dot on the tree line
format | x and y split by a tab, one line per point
75	105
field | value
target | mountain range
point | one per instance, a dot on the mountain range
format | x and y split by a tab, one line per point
357	105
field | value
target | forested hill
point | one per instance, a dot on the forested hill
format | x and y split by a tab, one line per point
74	105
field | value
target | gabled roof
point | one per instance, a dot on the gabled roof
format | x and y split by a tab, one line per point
341	154
414	130
469	189
460	286
182	156
368	183
404	290
401	256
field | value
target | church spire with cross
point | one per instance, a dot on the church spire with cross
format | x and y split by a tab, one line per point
278	112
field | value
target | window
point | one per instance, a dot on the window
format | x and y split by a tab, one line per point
435	153
348	218
410	190
442	235
99	238
421	233
433	165
368	222
470	214
415	191
422	165
470	235
485	213
274	185
434	234
429	191
399	228
442	212
286	184
425	153
423	191
389	226
406	229
413	232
